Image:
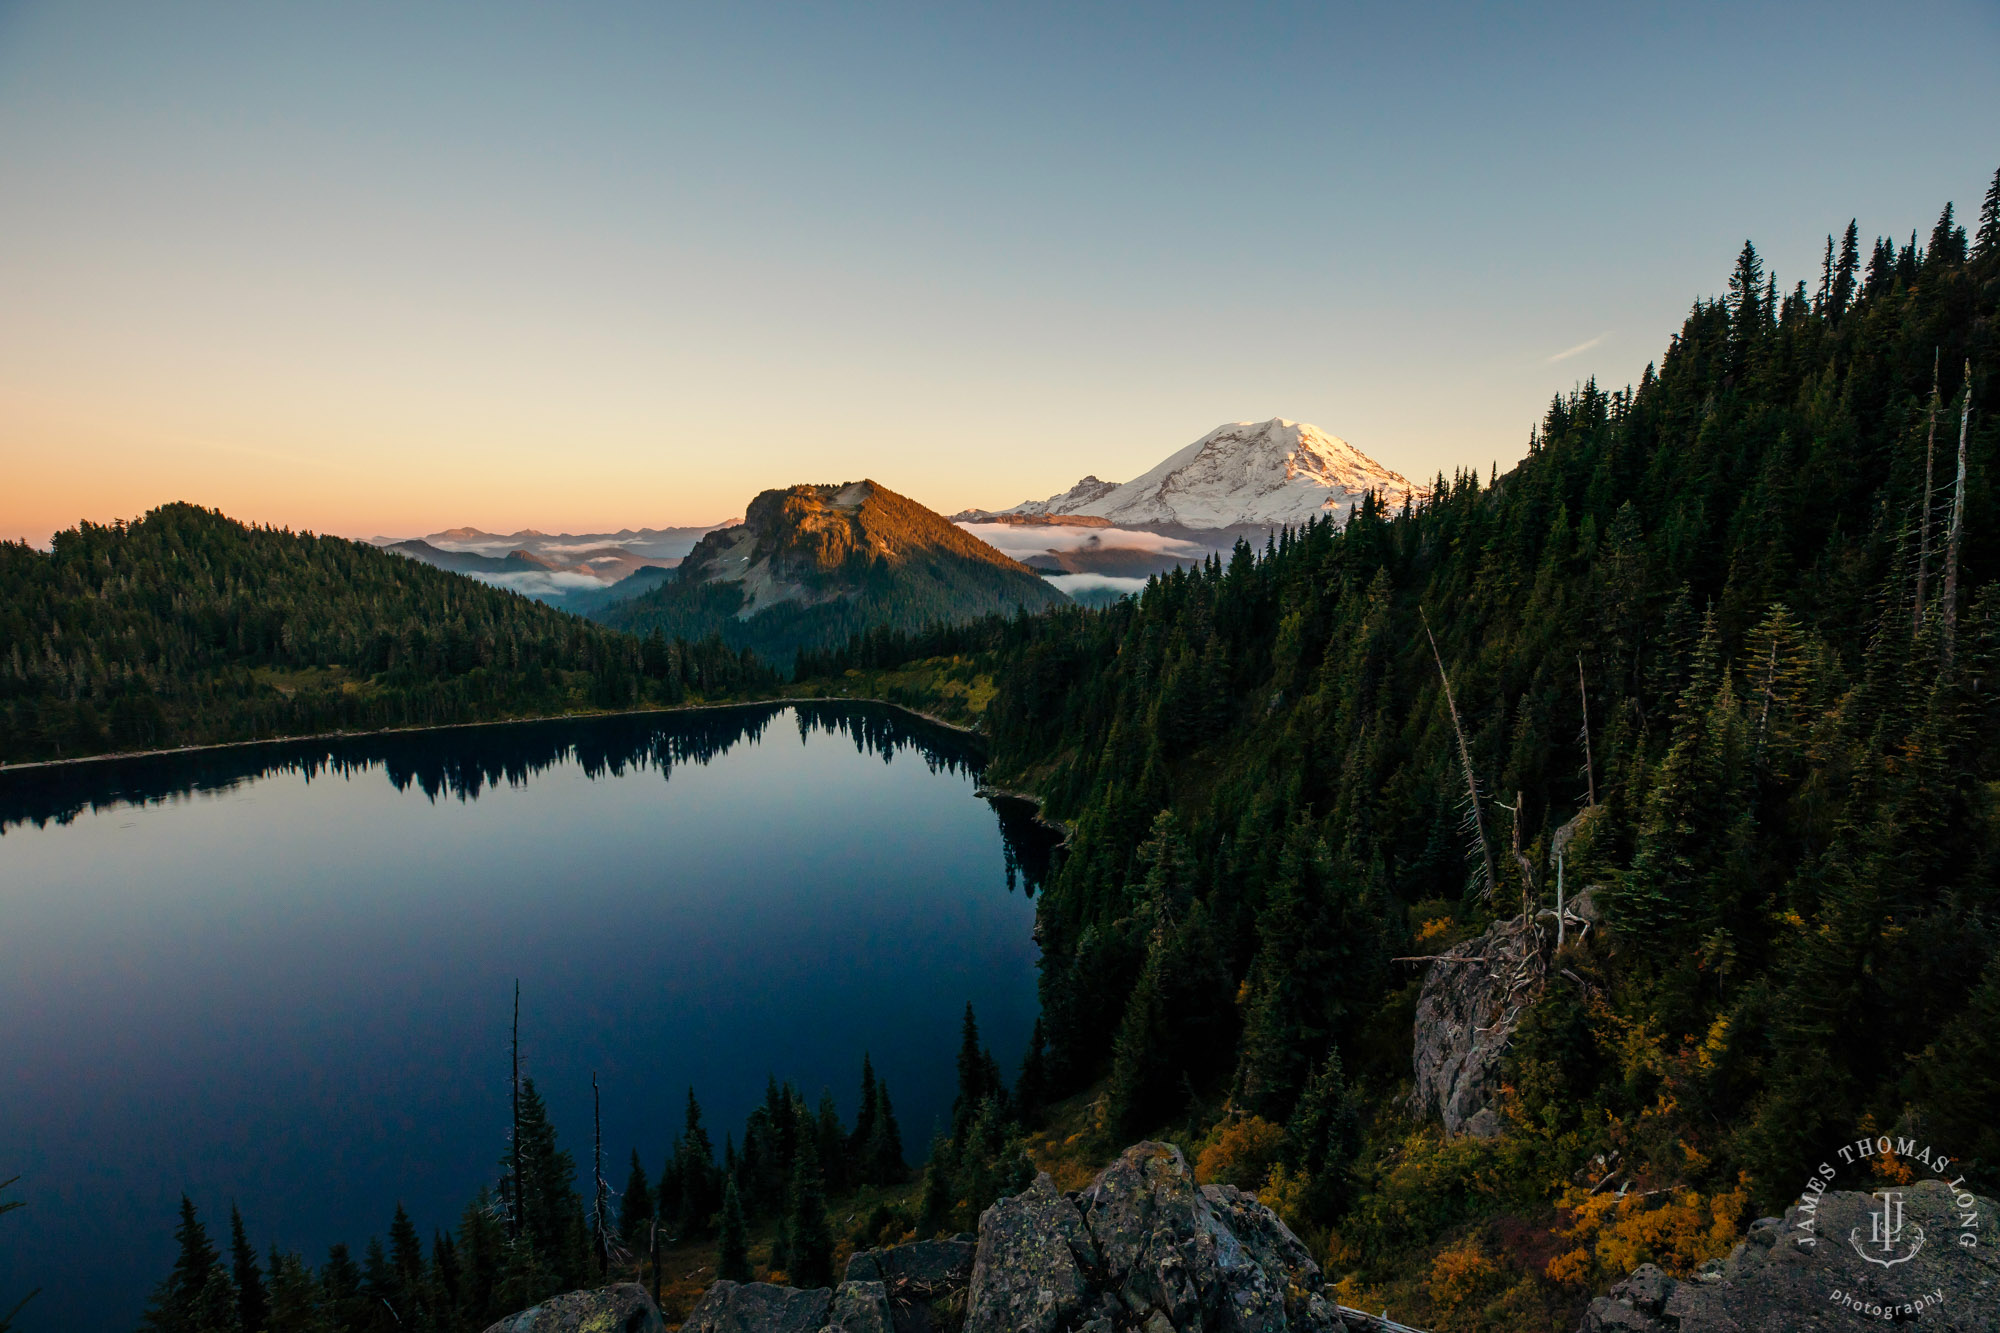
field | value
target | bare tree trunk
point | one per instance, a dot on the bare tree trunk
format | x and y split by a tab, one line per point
1924	509
1562	933
1527	871
656	1253
1583	693
1957	525
514	1211
601	1199
1465	760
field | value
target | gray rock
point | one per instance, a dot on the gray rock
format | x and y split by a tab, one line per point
925	1267
1773	1283
1167	1250
1465	990
926	1280
1276	1250
1029	1273
759	1307
860	1307
626	1308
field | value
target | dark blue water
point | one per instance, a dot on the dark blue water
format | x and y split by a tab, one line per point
282	975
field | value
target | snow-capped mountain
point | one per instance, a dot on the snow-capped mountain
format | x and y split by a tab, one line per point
1261	473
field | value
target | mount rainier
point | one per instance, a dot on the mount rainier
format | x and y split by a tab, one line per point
1245	474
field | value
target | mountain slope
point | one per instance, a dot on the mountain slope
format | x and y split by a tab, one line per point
187	627
1265	473
812	565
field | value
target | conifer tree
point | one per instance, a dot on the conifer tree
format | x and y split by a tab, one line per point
1845	270
252	1302
552	1221
340	1289
1881	269
294	1296
809	1235
1947	244
482	1253
445	1268
885	1143
864	1119
215	1305
635	1206
1324	1138
1177	1028
177	1303
1746	287
974	1066
733	1256
408	1276
934	1212
1987	238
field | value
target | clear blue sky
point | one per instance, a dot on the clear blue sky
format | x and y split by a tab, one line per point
391	268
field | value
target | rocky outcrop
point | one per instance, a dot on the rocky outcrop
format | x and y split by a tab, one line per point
1145	1249
1467	1010
625	1308
1772	1283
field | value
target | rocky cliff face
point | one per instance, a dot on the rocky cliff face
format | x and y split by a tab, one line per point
1465	1014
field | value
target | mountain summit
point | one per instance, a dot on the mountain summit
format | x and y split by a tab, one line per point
1246	473
811	565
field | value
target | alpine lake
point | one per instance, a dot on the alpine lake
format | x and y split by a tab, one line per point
282	975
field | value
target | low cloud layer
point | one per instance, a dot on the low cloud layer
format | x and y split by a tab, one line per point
1095	587
1021	540
537	583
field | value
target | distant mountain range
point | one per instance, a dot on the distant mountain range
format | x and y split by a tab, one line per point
1094	542
812	565
1244	479
579	572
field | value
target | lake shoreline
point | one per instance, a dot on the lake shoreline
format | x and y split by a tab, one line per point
495	722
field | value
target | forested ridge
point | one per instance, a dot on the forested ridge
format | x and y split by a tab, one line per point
1787	641
185	627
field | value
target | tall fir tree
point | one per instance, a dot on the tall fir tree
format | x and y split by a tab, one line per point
252	1302
177	1303
732	1262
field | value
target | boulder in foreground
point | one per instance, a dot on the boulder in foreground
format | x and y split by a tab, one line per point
625	1308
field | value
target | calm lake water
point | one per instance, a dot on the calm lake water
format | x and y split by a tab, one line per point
282	974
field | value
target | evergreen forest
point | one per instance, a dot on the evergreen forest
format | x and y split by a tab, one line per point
1727	641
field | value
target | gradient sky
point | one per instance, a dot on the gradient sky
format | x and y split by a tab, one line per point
386	269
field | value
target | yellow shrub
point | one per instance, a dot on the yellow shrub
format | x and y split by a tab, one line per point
1462	1281
1242	1154
1285	1195
1678	1231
